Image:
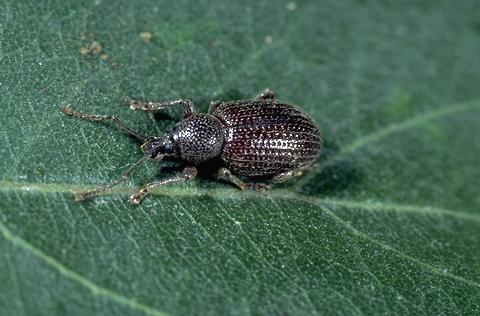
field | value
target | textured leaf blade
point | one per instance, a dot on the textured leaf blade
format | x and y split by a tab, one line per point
386	223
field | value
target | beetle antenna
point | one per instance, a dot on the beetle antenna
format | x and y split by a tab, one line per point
91	193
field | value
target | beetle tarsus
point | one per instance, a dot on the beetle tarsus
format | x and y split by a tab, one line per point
153	106
267	94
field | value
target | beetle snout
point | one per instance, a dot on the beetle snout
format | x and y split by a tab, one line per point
156	147
151	147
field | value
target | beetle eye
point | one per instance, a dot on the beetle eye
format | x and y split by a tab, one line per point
167	148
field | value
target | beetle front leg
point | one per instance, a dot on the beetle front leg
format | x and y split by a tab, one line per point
267	94
152	106
188	173
226	175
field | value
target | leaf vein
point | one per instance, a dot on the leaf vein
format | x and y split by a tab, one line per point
96	289
425	265
175	192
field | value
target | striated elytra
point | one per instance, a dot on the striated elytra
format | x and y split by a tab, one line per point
252	138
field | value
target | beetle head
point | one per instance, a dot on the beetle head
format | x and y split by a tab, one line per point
159	147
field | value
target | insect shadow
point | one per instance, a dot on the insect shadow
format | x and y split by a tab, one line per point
333	174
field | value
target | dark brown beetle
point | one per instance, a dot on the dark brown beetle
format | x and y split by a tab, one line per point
252	138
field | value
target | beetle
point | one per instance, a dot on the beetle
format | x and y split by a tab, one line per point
255	138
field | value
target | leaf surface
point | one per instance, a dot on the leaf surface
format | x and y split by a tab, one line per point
387	222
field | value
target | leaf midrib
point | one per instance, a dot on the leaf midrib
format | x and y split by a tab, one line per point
232	193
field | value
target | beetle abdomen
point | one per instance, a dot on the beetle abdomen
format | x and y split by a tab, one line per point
267	137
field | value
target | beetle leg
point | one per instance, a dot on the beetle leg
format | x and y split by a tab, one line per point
285	176
226	175
188	173
88	194
97	118
151	106
267	94
213	105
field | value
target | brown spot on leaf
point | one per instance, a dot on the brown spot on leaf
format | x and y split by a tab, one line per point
95	47
146	37
84	51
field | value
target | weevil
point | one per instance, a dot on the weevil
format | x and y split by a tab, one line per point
254	138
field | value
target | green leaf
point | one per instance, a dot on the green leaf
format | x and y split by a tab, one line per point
387	222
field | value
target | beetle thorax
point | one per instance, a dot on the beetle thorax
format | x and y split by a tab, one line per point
198	138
